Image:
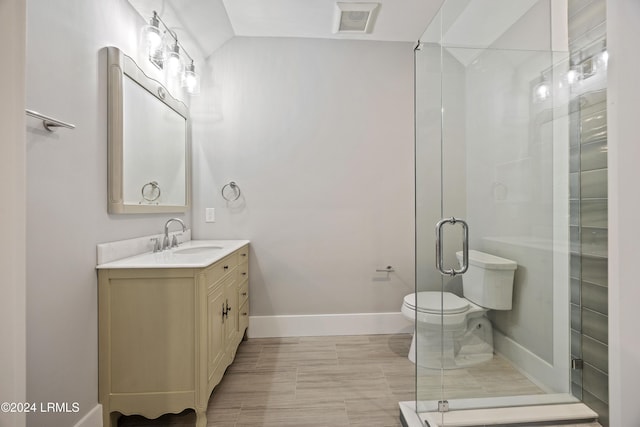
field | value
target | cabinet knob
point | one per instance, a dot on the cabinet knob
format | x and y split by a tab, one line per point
244	294
226	267
243	254
244	314
244	273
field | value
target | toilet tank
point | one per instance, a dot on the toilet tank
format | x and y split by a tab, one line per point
489	280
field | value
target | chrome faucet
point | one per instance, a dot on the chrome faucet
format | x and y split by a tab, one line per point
165	242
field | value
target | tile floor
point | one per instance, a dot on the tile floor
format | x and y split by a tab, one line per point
333	381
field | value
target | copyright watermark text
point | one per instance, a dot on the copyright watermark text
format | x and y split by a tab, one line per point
53	407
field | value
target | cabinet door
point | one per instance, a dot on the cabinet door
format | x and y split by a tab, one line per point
215	329
231	320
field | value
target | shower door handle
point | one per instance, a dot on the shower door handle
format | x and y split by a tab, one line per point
465	247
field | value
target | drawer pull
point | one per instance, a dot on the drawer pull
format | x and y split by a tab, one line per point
244	273
226	267
244	294
243	254
244	314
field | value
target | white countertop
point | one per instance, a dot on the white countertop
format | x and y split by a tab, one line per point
186	255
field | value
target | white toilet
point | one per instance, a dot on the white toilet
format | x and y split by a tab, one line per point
454	332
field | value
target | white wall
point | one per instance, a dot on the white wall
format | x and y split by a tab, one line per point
67	195
623	93
12	211
318	134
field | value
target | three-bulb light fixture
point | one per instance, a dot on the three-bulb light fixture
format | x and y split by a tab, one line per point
581	71
166	53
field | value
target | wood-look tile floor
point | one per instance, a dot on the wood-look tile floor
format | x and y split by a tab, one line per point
334	381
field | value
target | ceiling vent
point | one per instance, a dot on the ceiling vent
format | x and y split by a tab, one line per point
355	18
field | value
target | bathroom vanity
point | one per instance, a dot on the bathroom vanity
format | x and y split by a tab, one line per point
169	325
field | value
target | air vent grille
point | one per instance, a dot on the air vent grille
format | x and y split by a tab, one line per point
355	17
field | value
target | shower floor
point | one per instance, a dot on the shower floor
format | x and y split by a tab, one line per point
336	381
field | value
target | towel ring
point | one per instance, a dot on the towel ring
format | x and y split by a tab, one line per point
236	192
151	194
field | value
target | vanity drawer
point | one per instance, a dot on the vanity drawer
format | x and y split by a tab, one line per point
243	292
220	269
243	321
243	254
243	271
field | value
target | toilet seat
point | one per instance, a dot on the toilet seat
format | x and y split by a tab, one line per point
434	302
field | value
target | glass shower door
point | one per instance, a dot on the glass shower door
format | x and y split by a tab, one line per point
491	152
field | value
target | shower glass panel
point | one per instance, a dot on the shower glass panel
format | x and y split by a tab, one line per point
492	149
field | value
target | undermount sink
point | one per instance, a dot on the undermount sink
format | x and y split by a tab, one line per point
197	250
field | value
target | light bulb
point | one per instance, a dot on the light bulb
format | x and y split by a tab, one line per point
541	92
172	63
572	76
190	80
150	34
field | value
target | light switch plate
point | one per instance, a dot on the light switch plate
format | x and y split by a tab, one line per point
210	215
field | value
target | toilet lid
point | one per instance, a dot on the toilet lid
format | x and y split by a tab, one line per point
437	302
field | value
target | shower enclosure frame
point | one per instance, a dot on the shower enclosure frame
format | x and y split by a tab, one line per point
535	179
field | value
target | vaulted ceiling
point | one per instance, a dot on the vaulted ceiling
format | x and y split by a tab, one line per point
210	23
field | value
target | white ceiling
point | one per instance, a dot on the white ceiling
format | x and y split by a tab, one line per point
397	20
210	23
205	25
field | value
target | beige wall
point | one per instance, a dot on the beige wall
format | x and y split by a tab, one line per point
67	195
623	32
318	134
12	210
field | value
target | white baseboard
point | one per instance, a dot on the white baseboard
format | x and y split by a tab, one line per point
92	419
328	324
542	373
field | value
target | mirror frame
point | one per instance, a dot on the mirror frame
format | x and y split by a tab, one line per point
119	66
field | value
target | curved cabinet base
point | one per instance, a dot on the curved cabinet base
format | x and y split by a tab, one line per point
166	336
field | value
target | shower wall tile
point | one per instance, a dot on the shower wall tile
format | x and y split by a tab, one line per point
592	156
593	184
594	325
593	103
593	213
574	117
594	297
574	159
576	344
574	238
594	241
595	353
574	186
574	212
576	319
588	211
575	291
594	270
597	405
576	389
585	19
593	123
595	382
575	266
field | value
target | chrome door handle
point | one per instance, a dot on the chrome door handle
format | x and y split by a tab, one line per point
465	247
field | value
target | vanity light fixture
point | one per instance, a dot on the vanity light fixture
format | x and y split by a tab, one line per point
165	52
173	63
541	91
190	80
151	35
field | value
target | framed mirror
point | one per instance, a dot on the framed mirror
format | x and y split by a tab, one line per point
149	142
